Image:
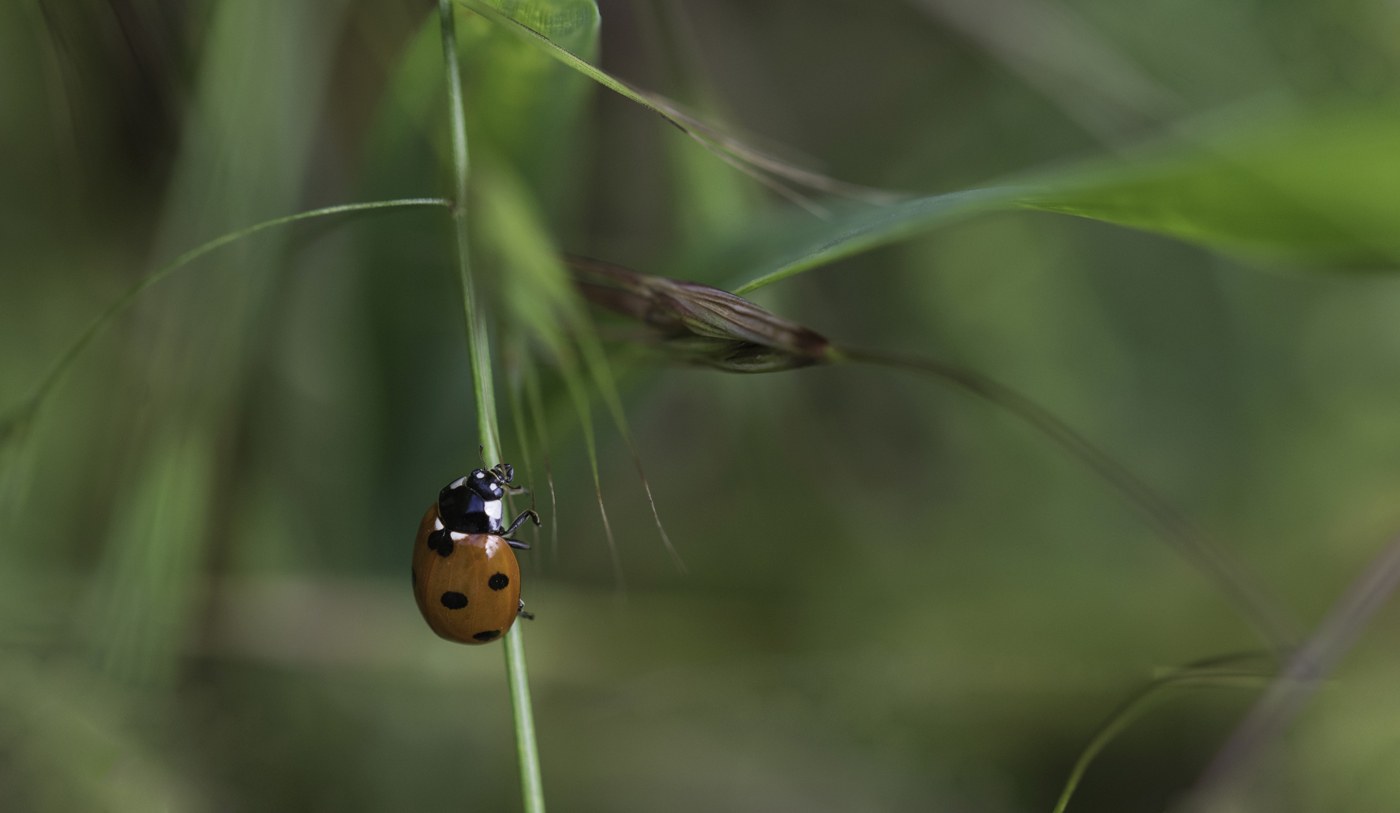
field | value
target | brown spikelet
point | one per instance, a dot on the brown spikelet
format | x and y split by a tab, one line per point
699	324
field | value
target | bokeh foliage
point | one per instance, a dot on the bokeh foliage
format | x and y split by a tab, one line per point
897	597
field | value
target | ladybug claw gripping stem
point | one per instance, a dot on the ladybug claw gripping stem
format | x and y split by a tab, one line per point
529	513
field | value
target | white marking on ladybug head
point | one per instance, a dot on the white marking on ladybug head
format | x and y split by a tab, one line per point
479	475
437	524
456	537
493	509
458	483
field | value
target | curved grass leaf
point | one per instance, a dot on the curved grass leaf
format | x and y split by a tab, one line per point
541	301
1205	674
706	205
578	393
755	163
537	417
803	246
523	103
524	390
513	354
597	363
1303	674
540	296
1322	192
17	418
1265	612
727	332
147	587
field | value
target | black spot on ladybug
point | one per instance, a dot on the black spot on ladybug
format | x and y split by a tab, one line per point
441	542
453	600
498	581
489	635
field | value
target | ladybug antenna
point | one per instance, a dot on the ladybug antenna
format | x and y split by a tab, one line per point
481	453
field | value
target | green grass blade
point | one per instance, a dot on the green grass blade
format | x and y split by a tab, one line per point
1144	701
146	593
597	363
514	384
531	782
1304	673
526	748
478	342
730	333
778	254
729	149
578	393
1266	613
1318	190
26	409
1315	191
541	298
537	417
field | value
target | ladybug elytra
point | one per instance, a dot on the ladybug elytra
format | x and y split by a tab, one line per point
465	577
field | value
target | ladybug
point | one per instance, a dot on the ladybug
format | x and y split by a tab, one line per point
465	577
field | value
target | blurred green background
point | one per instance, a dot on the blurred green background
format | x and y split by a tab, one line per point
898	598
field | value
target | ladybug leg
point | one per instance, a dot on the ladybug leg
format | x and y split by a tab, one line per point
521	612
516	543
520	520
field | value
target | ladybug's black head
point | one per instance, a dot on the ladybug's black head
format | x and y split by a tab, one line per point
487	483
472	504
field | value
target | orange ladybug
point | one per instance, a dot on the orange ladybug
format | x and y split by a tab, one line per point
465	577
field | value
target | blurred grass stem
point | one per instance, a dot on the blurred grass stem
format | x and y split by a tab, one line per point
1268	616
62	364
531	783
754	163
1146	700
1290	693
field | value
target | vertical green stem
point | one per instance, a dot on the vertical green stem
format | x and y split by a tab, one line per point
526	750
531	784
478	344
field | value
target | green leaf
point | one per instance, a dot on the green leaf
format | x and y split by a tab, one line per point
147	590
754	163
539	300
1316	190
520	103
1320	191
16	421
1212	673
537	417
777	252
